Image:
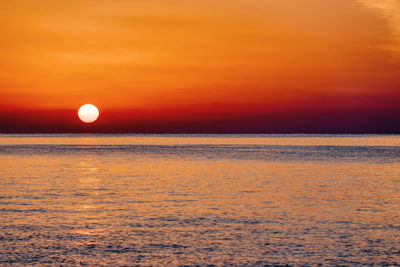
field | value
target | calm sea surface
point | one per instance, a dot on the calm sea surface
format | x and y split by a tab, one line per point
242	200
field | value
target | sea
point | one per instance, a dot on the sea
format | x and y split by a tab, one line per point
199	200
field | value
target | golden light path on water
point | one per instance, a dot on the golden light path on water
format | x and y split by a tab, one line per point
185	200
201	139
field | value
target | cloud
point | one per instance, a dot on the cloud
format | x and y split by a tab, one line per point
389	10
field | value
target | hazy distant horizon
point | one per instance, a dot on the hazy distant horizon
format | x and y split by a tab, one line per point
111	122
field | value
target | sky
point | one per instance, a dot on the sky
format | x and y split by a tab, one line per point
218	66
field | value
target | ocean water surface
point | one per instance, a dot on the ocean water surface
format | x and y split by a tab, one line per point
222	200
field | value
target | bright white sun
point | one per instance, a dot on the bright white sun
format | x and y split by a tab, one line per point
88	113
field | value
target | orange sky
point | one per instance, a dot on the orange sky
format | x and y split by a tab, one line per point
204	58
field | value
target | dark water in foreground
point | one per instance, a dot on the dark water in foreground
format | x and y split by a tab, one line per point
186	200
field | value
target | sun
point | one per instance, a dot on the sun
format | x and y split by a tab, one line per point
88	113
